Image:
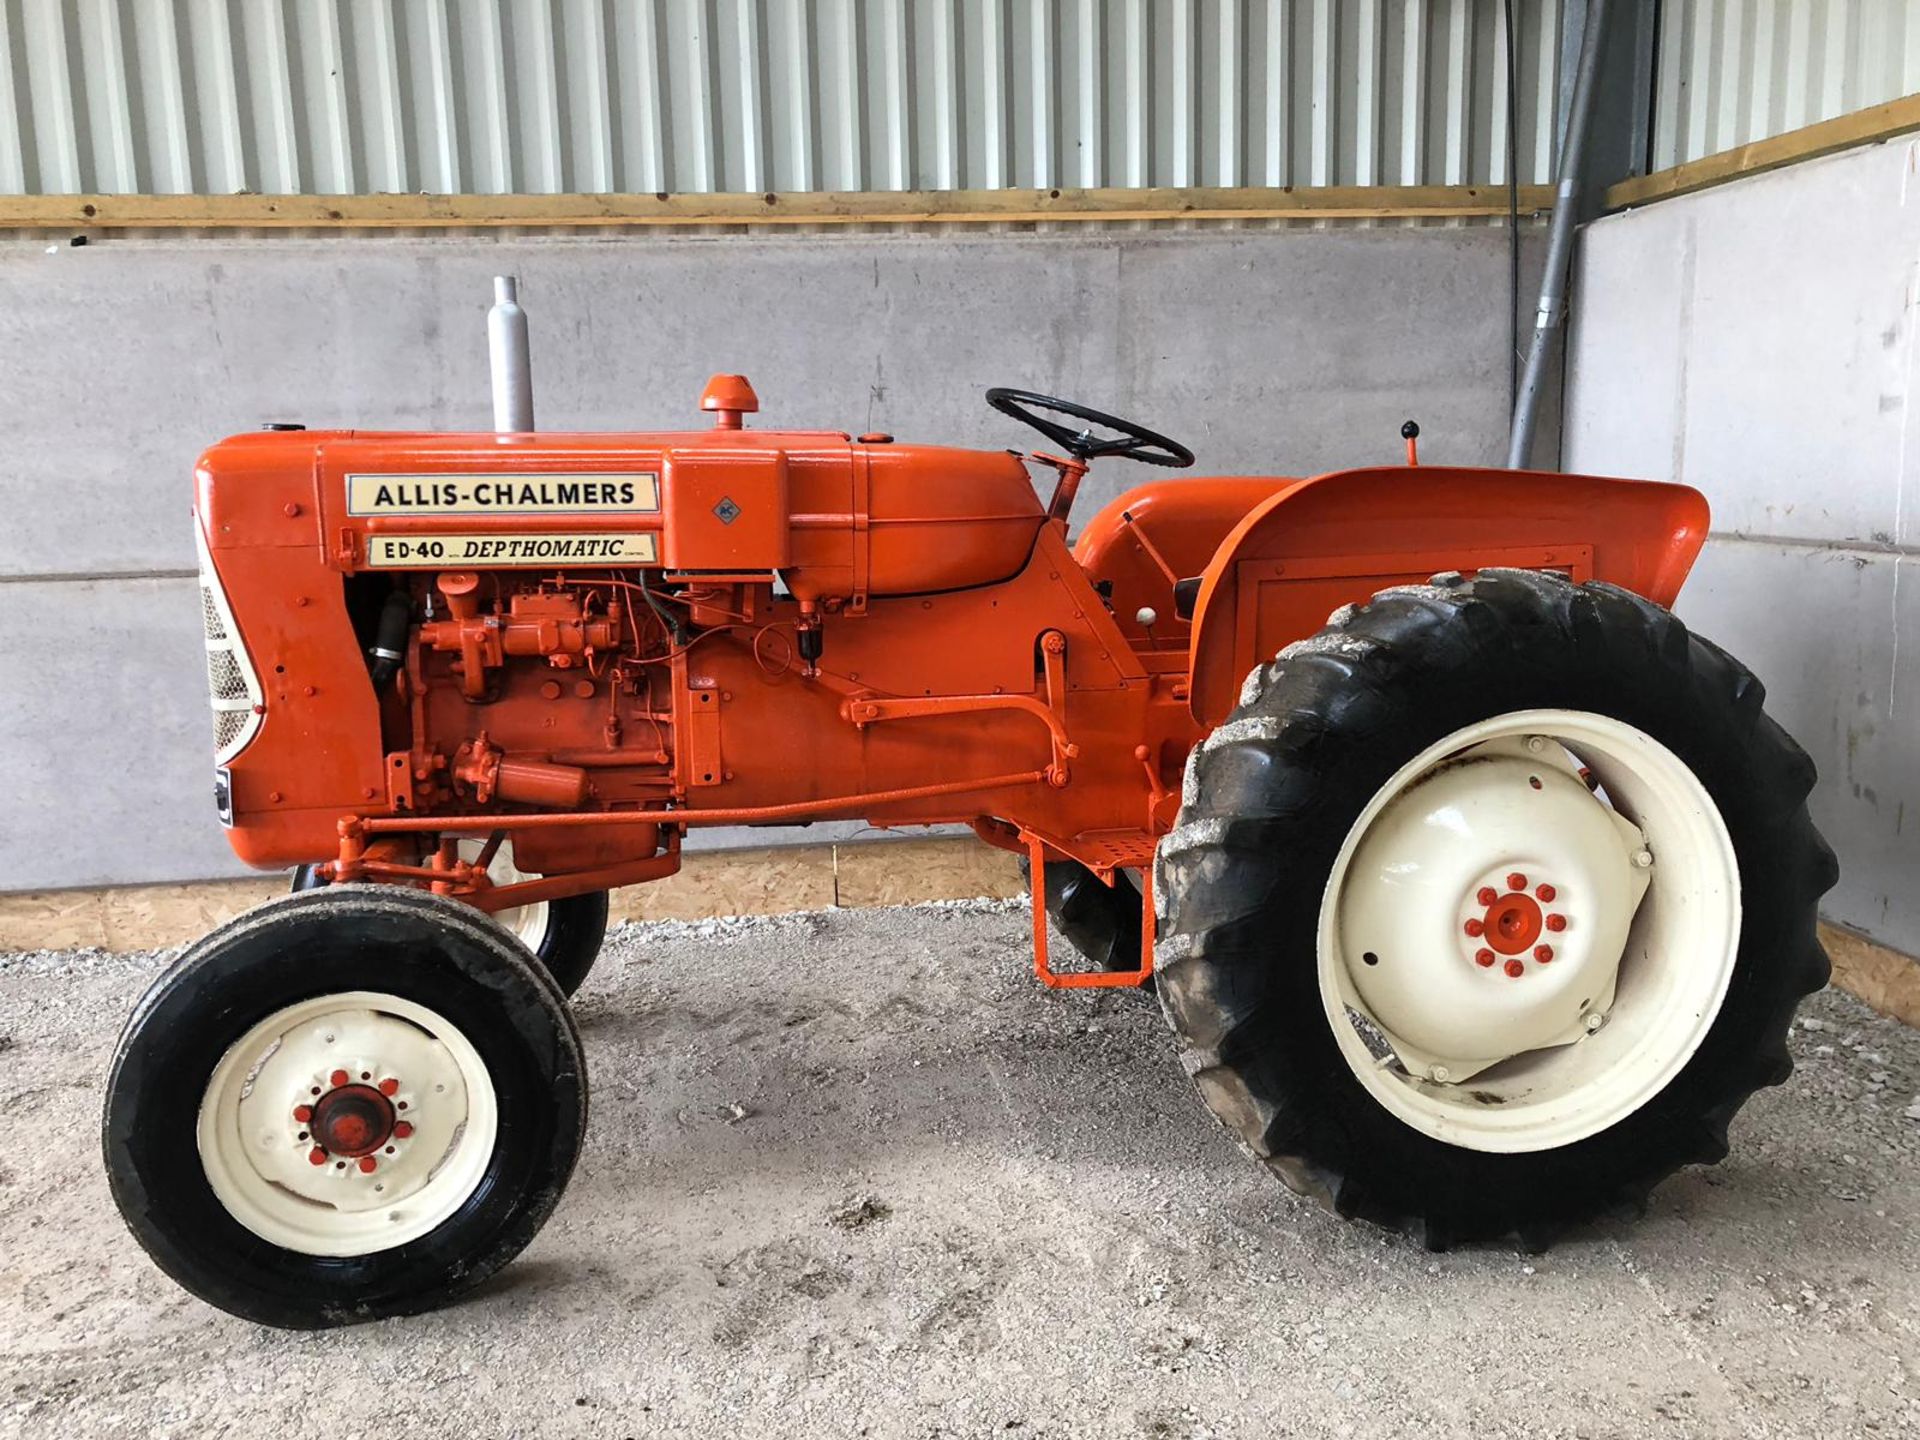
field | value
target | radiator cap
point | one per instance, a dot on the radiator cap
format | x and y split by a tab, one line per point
729	397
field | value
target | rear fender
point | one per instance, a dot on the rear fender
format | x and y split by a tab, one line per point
1339	538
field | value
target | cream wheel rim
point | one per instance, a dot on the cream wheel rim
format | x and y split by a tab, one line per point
526	923
347	1124
1529	930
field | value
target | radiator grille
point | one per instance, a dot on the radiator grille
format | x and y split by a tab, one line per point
230	679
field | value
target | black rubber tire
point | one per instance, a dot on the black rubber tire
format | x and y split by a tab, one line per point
1101	922
386	938
1271	797
576	929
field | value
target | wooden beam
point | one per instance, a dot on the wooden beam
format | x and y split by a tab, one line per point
910	207
1862	127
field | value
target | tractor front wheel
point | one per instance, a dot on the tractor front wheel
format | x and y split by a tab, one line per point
352	1103
565	936
1490	906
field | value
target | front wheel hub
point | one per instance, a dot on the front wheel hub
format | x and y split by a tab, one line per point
1485	912
352	1121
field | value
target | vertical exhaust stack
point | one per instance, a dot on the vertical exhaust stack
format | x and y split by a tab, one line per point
511	358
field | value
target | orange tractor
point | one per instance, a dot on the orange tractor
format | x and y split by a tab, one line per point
1478	893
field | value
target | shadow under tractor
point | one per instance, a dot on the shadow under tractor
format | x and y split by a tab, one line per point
1477	892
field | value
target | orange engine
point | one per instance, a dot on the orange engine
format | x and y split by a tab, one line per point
468	625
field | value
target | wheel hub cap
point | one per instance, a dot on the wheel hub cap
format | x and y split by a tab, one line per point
1511	923
1504	918
353	1121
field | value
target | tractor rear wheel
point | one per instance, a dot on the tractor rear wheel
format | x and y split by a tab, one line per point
1490	906
564	935
348	1104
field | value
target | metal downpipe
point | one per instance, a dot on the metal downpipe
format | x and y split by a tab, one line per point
1552	311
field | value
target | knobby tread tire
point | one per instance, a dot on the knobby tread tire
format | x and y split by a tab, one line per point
1270	797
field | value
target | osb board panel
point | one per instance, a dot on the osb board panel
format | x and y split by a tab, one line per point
730	882
909	871
1885	979
126	917
734	882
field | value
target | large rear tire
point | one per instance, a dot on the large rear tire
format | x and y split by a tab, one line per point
352	1103
1401	793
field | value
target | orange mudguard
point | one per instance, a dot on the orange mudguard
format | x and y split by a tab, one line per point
1336	539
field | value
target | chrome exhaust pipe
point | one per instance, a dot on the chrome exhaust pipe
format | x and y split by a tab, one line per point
510	357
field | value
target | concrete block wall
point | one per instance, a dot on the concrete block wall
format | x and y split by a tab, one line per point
1757	341
1287	351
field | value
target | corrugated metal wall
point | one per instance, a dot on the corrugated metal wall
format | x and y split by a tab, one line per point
493	96
1731	71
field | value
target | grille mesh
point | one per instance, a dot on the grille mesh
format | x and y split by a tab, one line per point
228	725
224	677
229	679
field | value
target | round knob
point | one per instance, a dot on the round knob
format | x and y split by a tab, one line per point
1410	430
1146	615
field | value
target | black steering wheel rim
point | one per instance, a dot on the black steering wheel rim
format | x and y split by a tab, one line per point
1134	441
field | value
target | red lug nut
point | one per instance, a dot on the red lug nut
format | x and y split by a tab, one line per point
316	1156
389	1087
368	1164
1543	953
1516	969
1476	927
1484	957
339	1077
1544	892
303	1113
1487	895
1516	881
402	1130
1556	922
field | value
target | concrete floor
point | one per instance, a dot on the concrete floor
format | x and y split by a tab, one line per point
957	1204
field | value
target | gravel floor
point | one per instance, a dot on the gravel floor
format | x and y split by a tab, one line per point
856	1174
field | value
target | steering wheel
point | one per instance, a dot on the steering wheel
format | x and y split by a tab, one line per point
1132	442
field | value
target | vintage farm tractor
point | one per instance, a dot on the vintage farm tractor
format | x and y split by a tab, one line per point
1478	893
